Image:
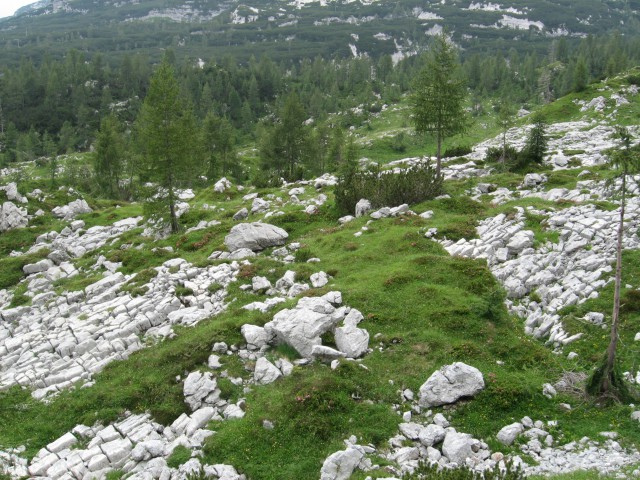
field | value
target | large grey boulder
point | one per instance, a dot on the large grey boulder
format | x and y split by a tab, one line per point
265	372
340	465
255	236
72	209
457	447
362	207
352	341
507	435
12	217
451	383
431	434
255	336
11	191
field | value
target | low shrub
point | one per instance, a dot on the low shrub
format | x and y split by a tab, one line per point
386	189
458	151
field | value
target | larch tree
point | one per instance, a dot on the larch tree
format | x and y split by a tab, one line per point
166	135
439	96
607	380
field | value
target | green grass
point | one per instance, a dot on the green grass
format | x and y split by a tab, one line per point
424	307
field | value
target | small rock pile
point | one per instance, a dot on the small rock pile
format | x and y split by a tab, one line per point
303	326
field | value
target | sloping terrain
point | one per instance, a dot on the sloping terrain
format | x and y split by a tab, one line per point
122	353
295	29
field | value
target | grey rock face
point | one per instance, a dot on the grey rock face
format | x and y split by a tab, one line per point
72	210
241	214
200	390
451	383
507	435
457	447
265	372
362	207
303	326
340	465
12	217
351	340
255	236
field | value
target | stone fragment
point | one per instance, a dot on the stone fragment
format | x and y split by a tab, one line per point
507	435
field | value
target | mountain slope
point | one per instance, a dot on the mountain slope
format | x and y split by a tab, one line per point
111	324
285	30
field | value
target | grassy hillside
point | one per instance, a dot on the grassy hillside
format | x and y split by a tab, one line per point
422	307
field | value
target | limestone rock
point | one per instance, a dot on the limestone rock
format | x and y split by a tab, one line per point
72	210
12	217
255	336
340	465
362	207
222	185
200	390
457	447
241	214
265	372
351	340
255	236
303	326
451	383
507	435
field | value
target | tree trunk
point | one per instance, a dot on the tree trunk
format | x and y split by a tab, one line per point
615	317
172	206
439	156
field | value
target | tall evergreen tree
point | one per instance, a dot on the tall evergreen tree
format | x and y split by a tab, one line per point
439	95
108	159
166	131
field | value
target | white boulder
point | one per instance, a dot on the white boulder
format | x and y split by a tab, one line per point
255	236
451	383
12	217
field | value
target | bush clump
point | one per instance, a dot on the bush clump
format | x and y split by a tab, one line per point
386	189
458	151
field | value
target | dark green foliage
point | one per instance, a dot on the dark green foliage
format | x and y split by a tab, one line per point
219	140
303	254
283	147
459	151
439	95
386	189
535	147
166	134
108	163
427	471
496	154
182	291
11	267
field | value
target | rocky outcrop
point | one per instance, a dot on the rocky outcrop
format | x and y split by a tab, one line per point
12	217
